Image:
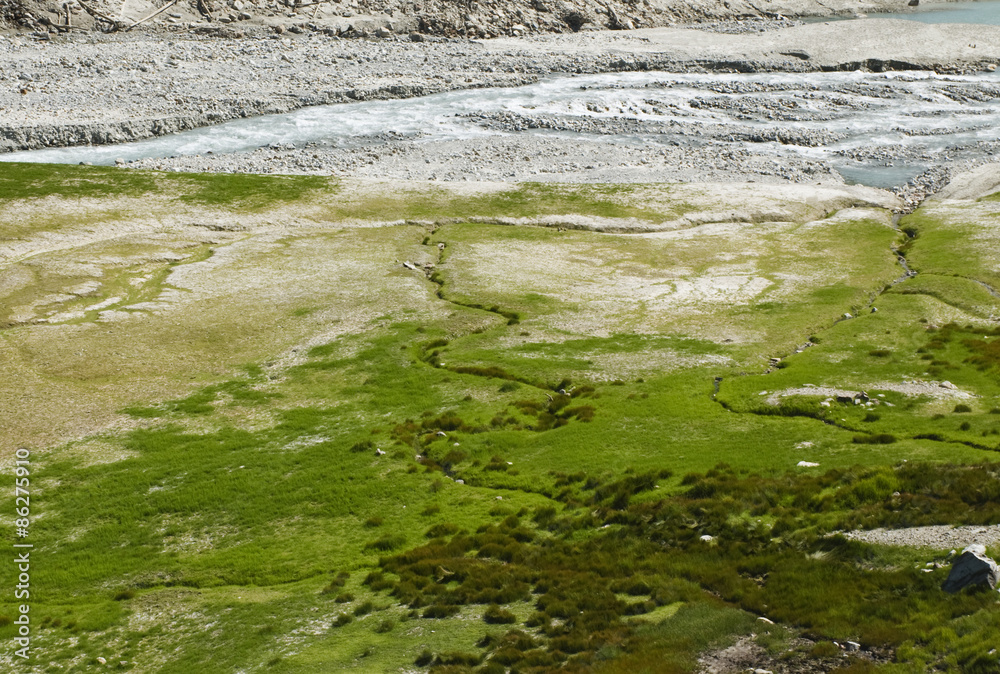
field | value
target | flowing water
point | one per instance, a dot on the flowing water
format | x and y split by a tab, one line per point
987	13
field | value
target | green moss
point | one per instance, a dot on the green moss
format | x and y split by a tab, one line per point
245	191
33	181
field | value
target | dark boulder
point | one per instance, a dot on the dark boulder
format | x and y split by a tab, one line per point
972	568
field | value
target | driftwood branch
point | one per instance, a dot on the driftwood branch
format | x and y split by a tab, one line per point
315	2
161	10
100	16
205	9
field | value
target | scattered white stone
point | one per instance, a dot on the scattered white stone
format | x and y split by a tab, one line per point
460	481
706	538
762	393
765	620
102	661
848	316
947	385
807	464
852	646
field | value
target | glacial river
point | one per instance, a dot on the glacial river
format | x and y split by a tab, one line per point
875	128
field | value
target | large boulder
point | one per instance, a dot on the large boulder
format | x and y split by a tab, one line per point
972	568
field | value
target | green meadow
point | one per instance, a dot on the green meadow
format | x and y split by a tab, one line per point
292	424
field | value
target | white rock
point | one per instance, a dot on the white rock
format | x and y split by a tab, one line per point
806	464
706	538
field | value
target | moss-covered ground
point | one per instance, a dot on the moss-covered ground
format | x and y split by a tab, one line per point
295	425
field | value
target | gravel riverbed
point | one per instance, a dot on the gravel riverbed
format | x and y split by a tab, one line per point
92	89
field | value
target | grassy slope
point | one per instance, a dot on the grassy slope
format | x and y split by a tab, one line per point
232	506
